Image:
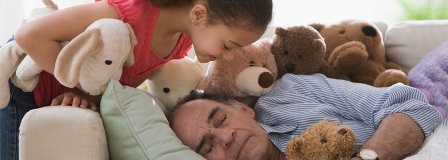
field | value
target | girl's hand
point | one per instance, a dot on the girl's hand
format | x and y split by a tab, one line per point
69	98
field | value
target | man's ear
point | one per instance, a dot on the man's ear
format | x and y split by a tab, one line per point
198	13
244	108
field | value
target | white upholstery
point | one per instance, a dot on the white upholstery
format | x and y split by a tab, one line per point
62	133
435	147
407	42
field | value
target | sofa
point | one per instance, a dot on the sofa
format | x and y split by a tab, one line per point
72	133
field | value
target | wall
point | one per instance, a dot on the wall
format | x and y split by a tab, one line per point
293	12
286	12
13	13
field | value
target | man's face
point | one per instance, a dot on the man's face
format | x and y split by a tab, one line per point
220	131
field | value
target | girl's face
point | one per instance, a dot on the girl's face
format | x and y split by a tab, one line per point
218	41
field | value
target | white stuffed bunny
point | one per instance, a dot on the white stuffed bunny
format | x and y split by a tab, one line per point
11	55
96	55
90	59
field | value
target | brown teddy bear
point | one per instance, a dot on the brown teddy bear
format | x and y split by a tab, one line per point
251	73
301	50
324	140
356	48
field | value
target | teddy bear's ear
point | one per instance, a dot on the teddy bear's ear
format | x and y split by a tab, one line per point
318	44
293	148
265	42
130	60
50	4
317	26
281	31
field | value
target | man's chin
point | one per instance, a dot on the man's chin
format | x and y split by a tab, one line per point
255	154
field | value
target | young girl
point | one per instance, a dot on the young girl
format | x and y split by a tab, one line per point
164	29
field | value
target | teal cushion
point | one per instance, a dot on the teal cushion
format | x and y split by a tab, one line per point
136	127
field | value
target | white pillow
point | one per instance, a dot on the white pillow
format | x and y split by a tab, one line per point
136	128
408	41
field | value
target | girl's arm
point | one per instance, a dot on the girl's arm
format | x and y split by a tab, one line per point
40	38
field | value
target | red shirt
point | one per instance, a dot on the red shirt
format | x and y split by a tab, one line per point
142	16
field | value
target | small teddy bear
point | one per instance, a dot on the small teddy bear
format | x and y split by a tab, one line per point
301	50
324	140
174	80
356	48
251	73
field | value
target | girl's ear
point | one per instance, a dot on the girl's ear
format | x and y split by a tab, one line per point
198	13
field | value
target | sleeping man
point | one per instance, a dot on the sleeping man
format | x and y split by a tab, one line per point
393	122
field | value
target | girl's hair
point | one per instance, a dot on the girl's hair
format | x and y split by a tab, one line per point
246	14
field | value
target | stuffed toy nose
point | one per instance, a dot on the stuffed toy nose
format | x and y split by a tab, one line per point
290	67
246	78
369	31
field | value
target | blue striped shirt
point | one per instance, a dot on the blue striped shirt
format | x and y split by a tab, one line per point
297	101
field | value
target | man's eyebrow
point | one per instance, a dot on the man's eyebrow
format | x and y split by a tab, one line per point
210	117
235	43
212	114
201	143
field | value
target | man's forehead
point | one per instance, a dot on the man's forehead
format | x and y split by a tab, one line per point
199	103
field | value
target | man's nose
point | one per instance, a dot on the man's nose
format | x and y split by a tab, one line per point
225	136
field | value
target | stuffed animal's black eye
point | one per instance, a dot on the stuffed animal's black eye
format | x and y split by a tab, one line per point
323	141
108	62
264	65
251	63
286	52
166	90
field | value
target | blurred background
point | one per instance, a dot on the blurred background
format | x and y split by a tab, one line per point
286	12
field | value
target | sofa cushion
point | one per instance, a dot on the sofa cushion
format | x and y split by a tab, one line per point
62	132
408	41
136	127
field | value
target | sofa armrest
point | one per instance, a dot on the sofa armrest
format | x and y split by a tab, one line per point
408	41
60	132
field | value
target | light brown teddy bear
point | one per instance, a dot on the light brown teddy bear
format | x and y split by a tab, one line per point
251	73
324	140
356	48
301	50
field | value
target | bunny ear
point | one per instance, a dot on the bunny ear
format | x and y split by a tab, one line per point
73	55
10	56
130	60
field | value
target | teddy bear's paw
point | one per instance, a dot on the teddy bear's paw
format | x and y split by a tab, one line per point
392	65
348	57
391	77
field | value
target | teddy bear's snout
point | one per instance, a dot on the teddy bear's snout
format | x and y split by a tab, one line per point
342	131
290	67
369	31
